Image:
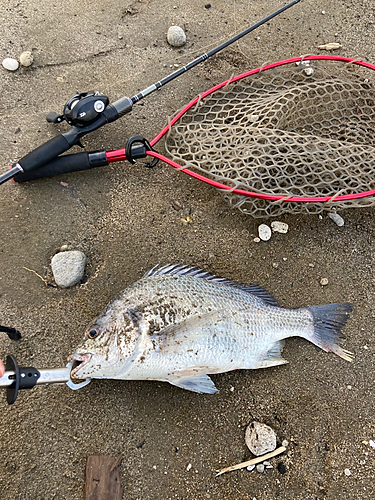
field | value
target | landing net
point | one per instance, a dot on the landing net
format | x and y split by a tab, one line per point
301	129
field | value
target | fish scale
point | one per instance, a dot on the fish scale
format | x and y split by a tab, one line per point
179	324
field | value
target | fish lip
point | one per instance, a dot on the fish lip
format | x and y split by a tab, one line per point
81	361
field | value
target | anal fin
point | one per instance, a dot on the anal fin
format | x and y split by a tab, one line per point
273	356
201	384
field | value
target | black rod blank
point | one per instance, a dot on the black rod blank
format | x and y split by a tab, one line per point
205	56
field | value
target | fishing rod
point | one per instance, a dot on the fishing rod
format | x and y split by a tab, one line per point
88	111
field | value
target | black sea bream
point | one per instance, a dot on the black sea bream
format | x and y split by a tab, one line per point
179	324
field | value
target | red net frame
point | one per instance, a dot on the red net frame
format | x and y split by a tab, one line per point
119	154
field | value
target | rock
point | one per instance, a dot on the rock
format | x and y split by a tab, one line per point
260	468
337	219
281	468
26	58
260	438
10	64
279	227
285	443
347	472
176	36
264	232
250	467
68	267
324	281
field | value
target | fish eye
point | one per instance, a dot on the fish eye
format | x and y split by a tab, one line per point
93	333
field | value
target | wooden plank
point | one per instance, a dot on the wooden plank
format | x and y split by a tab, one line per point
102	479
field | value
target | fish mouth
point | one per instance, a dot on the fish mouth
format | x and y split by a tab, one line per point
79	362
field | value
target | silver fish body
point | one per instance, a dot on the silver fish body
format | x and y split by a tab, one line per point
178	324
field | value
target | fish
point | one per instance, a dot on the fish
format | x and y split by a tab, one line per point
180	324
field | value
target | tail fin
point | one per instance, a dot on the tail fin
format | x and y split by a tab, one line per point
328	321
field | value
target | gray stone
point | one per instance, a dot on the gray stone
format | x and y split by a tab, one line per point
260	468
260	438
68	267
176	36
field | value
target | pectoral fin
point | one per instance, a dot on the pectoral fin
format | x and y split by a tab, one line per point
178	337
202	384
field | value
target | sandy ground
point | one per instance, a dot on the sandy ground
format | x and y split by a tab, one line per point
123	218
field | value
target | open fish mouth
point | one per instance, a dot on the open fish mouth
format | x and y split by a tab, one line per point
78	361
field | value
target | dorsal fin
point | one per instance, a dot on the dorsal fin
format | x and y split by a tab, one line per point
184	270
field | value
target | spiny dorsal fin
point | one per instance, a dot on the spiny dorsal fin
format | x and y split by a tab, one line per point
184	270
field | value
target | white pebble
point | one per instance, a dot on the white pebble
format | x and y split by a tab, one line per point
26	58
309	71
260	438
176	36
68	267
323	12
324	281
330	46
188	467
260	468
347	472
264	232
337	219
10	64
371	443
256	240
280	227
250	467
285	443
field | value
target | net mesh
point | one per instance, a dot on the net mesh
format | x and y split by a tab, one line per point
303	130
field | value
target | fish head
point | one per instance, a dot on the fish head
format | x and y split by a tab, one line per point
108	346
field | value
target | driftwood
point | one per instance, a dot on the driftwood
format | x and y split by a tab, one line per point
103	480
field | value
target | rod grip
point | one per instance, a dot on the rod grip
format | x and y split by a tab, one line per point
64	165
44	153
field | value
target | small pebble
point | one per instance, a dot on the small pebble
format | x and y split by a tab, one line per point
324	281
68	267
337	219
176	36
256	240
26	58
323	12
260	468
330	46
188	467
176	205
207	6
309	71
250	467
347	472
371	443
281	468
279	227
10	64
264	232
260	438
285	443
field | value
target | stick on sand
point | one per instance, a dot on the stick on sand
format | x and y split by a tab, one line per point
253	461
